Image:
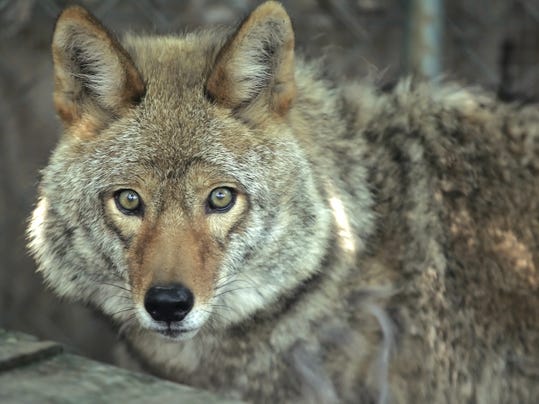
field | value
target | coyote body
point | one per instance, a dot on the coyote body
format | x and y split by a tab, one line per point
318	242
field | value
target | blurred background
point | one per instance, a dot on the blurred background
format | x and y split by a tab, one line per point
488	43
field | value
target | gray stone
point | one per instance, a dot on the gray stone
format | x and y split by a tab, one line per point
33	371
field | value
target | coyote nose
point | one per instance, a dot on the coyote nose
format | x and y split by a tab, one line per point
168	303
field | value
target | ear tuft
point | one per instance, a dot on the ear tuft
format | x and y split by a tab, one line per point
94	75
255	68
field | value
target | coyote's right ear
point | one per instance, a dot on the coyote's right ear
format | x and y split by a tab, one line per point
95	78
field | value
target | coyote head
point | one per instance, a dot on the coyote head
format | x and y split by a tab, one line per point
178	196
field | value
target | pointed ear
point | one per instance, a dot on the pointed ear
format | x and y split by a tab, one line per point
255	68
95	78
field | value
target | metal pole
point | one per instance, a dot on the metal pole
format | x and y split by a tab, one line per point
424	40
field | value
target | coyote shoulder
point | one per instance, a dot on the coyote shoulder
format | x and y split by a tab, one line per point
262	231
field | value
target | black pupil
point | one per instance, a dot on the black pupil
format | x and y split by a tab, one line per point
128	200
221	199
131	197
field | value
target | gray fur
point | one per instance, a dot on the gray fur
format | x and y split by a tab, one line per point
387	251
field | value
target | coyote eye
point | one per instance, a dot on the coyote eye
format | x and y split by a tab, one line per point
128	201
221	199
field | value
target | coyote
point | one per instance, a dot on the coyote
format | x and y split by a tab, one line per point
258	229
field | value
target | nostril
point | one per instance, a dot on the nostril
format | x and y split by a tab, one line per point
168	303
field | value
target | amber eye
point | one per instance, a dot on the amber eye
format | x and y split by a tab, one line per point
221	199
128	201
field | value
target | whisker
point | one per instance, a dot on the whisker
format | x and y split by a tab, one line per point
231	282
231	290
217	314
220	309
236	280
118	297
124	310
117	286
128	323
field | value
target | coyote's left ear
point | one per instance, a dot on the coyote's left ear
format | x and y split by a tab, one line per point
95	78
254	71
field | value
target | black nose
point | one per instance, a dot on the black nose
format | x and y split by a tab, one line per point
168	303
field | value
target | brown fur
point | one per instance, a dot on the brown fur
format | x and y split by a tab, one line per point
77	22
383	246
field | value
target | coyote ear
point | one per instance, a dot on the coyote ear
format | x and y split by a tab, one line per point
95	78
257	64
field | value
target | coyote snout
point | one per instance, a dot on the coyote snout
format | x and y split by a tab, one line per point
169	303
169	310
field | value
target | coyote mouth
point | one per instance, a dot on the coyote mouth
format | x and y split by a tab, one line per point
172	330
175	334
